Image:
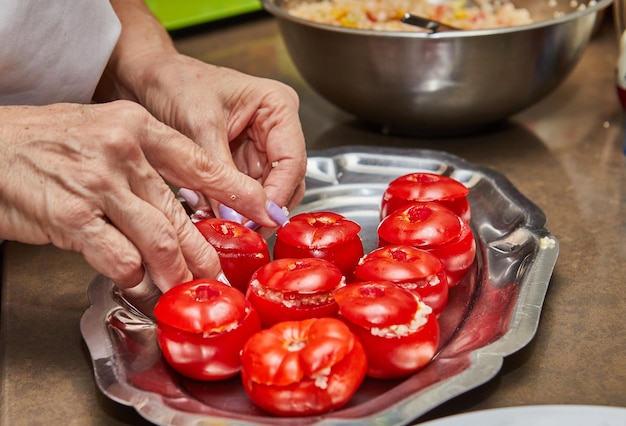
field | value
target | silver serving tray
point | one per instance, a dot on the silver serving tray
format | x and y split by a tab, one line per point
492	313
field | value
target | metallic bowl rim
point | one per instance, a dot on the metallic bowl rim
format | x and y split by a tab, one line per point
270	6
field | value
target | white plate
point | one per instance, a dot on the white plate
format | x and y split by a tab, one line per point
538	415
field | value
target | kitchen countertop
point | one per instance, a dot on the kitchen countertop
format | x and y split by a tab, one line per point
565	153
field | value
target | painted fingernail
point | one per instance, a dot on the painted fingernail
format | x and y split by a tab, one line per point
252	225
191	197
276	213
229	214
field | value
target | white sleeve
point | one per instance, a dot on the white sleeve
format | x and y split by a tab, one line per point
55	50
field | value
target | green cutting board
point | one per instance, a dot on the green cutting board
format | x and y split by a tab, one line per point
176	14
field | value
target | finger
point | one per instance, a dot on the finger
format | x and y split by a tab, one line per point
194	199
167	150
172	249
155	239
276	133
282	175
143	296
109	251
197	203
251	158
229	214
200	257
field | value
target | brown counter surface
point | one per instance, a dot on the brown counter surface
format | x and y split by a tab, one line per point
564	153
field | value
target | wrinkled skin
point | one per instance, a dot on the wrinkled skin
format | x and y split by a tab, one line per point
92	178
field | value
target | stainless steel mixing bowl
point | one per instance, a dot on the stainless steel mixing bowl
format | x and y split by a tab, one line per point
446	82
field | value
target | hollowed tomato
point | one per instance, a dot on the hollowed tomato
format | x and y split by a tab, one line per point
324	235
298	368
241	250
409	267
435	228
398	330
421	186
294	289
202	326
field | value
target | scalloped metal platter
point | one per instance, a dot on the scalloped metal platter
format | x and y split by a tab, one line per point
492	313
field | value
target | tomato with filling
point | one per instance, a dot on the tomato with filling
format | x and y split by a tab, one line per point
302	368
398	330
202	325
422	186
294	289
415	269
325	235
241	250
435	228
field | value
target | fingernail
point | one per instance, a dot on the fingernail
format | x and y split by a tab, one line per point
221	277
252	225
229	214
191	197
276	213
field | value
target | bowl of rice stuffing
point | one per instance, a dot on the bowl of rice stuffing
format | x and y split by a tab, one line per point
506	55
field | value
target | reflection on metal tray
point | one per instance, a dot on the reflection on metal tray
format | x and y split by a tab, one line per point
492	313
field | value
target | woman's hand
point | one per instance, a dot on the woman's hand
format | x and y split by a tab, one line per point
248	123
90	178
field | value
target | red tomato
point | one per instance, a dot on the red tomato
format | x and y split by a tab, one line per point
426	187
434	228
241	250
325	235
409	267
294	289
202	326
399	332
299	368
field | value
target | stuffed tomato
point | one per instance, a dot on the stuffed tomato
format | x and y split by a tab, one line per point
435	228
422	186
324	235
202	326
294	289
241	250
298	368
398	330
411	268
